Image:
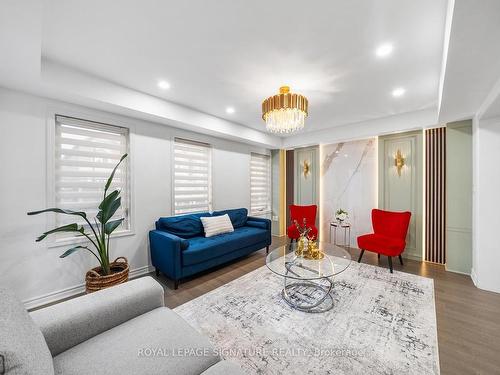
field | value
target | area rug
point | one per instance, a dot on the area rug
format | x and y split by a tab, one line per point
381	323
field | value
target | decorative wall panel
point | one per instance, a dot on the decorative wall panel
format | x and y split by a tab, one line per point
348	181
400	188
435	195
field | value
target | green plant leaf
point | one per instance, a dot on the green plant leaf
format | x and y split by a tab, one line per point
107	201
110	179
107	212
112	225
59	211
65	228
72	250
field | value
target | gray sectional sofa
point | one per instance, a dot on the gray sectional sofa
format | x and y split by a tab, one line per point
123	330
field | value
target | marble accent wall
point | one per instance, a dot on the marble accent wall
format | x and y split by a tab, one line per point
348	179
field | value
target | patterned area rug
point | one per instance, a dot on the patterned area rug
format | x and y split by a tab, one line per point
381	323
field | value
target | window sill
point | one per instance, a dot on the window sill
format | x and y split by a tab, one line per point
80	240
260	213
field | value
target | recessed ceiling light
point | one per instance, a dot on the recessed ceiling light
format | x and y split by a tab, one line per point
384	50
230	110
398	92
164	85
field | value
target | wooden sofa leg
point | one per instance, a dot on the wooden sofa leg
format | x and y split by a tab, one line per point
401	260
378	256
361	255
157	271
390	263
176	284
267	249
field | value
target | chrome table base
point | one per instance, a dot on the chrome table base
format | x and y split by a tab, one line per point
307	296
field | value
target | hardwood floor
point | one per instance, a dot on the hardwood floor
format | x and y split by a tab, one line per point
468	319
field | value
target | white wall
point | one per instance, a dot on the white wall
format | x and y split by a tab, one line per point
33	270
486	204
348	179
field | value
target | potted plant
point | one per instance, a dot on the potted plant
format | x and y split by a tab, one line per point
341	216
107	273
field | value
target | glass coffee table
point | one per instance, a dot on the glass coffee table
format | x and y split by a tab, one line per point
308	282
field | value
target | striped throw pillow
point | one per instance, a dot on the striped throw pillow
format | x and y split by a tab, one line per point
214	225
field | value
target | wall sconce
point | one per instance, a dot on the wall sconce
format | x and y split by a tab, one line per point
306	168
399	161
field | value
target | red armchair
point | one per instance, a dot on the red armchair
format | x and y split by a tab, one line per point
389	237
300	213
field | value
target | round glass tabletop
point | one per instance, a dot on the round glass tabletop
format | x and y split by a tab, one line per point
284	262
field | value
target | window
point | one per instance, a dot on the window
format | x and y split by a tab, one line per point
85	154
260	184
192	177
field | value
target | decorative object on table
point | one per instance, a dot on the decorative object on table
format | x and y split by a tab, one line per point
300	213
399	161
285	112
389	237
306	168
313	251
303	236
346	227
107	273
341	215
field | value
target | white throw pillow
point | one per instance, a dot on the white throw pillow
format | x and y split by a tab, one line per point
214	225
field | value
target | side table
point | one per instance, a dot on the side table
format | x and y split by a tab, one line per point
347	233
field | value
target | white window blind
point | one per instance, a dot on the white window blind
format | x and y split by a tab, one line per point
85	154
260	183
192	177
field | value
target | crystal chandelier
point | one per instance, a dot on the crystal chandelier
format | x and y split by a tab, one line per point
285	112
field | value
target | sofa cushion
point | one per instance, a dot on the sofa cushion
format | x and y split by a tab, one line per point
215	225
203	248
23	348
238	216
184	226
154	343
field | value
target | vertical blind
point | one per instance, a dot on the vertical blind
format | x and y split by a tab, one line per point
192	177
260	183
85	155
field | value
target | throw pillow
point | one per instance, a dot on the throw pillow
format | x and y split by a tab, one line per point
217	225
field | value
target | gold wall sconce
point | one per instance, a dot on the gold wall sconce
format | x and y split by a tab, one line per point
306	168
399	161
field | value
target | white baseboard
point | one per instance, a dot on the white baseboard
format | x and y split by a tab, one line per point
473	276
455	271
74	291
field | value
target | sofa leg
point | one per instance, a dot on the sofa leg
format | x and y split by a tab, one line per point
157	271
267	249
361	255
401	260
378	256
176	284
390	263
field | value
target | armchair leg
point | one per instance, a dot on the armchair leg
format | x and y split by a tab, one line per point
267	249
390	263
361	255
157	271
400	260
176	284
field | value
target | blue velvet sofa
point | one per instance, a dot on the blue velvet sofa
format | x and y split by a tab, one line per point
179	247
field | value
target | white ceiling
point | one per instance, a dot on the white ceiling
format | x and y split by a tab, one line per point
223	53
473	63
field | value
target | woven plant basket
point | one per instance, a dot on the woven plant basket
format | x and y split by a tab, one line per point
119	274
